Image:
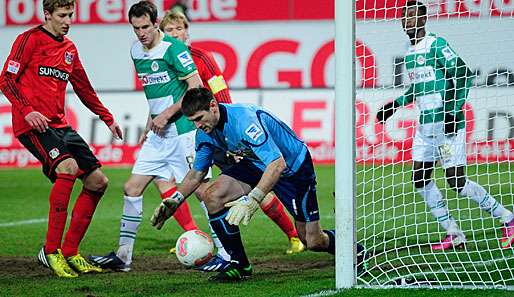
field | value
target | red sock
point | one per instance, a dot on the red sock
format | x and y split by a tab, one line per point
59	199
275	211
182	215
81	217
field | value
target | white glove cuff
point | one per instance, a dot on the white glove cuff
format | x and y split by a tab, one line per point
177	196
257	194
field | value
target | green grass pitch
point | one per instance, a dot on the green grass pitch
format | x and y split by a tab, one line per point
24	208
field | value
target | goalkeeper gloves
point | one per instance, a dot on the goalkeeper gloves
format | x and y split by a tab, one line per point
166	209
242	209
386	111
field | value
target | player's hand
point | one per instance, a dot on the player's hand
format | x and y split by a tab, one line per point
37	121
142	138
166	209
159	122
450	124
386	112
116	131
241	210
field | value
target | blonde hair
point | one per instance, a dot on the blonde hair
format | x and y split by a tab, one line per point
51	5
173	16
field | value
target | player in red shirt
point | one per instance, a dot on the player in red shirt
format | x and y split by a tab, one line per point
34	79
175	24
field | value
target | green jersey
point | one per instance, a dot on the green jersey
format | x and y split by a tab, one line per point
163	71
439	79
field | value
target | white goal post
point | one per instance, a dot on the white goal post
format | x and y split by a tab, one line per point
429	191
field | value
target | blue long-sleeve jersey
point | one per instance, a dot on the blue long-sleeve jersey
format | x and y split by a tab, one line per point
253	133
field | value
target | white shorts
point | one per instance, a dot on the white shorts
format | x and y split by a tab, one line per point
168	157
450	151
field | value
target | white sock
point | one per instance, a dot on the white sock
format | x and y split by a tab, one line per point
221	250
486	202
434	200
130	220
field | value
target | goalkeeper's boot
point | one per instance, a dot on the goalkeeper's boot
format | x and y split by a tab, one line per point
217	263
233	273
295	246
57	263
450	241
80	265
110	261
508	235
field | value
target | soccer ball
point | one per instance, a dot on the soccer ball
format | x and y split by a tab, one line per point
194	248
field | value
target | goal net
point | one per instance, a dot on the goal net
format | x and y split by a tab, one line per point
413	224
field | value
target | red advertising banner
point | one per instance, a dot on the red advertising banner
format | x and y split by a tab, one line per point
29	12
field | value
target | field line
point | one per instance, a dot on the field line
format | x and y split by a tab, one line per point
24	222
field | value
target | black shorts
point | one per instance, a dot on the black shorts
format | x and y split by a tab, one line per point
57	144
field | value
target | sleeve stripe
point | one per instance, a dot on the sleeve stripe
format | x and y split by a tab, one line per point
205	59
12	87
21	46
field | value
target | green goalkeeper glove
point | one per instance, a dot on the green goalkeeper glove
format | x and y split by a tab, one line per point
242	209
166	209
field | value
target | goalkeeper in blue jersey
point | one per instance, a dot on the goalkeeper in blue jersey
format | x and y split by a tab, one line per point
273	158
440	81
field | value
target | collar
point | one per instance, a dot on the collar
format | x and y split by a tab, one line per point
161	38
223	117
56	38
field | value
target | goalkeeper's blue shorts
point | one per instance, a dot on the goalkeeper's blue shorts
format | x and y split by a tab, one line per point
296	192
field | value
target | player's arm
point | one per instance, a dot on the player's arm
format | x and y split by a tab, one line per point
456	70
148	127
172	112
388	109
210	72
17	61
190	183
87	95
259	137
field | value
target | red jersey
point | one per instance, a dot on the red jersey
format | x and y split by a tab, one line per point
35	76
210	74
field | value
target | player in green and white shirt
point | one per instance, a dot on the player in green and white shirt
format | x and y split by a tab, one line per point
440	82
166	69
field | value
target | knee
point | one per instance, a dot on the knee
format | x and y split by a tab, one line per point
212	199
67	166
316	243
97	183
420	183
456	182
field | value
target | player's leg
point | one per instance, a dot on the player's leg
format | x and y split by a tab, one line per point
94	185
425	153
215	198
222	258
456	178
274	209
61	169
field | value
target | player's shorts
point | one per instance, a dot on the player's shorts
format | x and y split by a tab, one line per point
166	157
296	192
450	151
57	144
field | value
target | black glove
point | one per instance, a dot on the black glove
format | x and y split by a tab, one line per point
386	111
450	123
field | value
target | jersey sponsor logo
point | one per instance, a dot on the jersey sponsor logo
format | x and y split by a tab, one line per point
253	131
68	58
154	78
154	66
448	53
53	72
185	58
54	153
421	74
13	67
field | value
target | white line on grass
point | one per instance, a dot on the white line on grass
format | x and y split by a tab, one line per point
322	293
25	222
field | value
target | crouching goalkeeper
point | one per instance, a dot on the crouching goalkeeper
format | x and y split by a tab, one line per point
274	158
